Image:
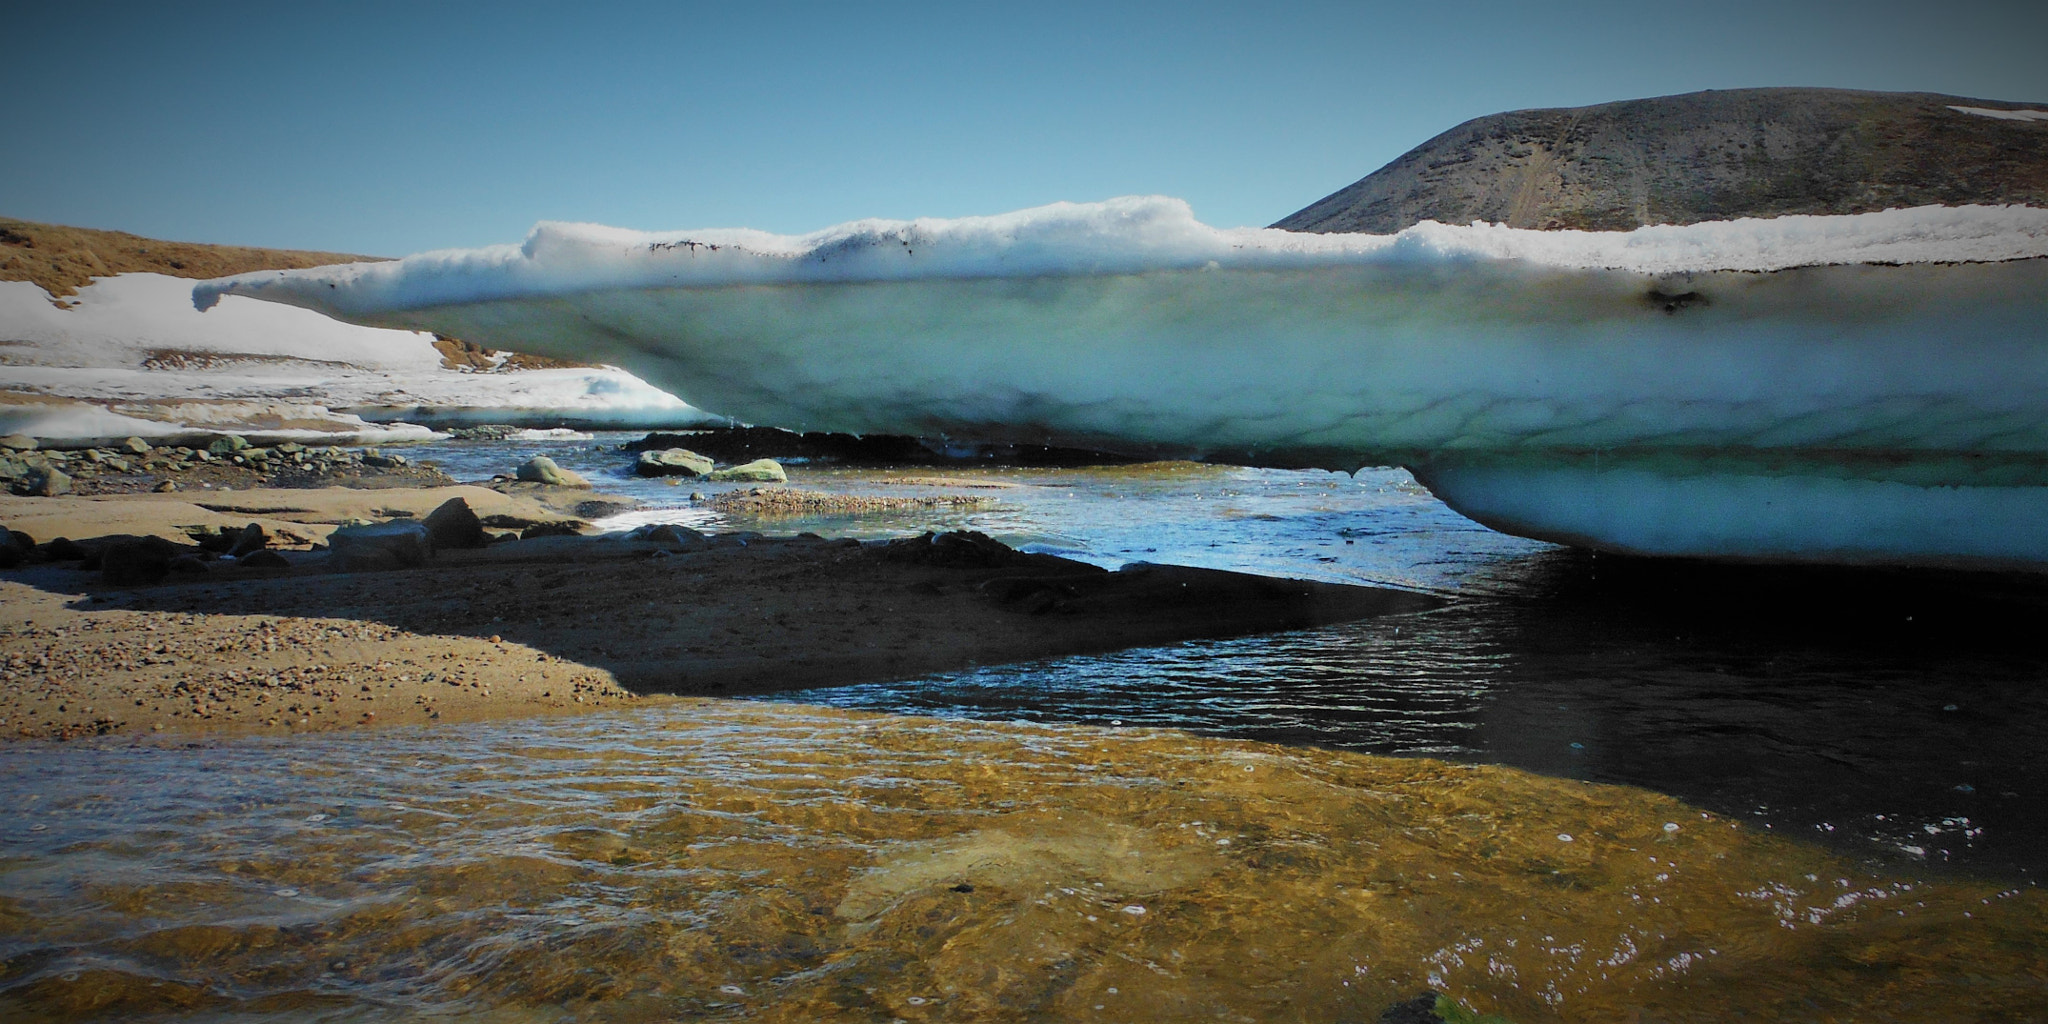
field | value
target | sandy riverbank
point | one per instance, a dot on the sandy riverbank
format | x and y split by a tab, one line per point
550	624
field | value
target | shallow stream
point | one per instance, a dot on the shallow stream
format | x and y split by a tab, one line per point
1832	807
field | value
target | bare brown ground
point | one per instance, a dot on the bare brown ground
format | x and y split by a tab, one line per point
560	624
64	259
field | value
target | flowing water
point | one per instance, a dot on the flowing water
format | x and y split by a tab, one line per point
1831	811
1884	713
746	861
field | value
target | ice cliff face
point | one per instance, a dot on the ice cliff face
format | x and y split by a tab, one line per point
1870	387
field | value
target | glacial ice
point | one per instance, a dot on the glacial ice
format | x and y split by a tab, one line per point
1867	388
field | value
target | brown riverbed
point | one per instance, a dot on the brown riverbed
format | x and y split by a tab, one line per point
716	860
555	623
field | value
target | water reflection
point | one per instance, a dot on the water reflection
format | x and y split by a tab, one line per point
1890	713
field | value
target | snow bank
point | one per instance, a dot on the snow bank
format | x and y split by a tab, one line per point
129	348
1914	342
2003	115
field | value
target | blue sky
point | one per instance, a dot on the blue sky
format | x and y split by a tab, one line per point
393	128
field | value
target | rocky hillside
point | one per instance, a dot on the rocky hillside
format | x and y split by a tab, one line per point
1703	156
64	259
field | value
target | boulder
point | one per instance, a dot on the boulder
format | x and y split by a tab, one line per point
670	536
46	482
134	446
11	552
228	445
189	565
672	462
760	471
542	470
265	559
454	525
18	443
550	530
64	549
133	560
381	546
248	540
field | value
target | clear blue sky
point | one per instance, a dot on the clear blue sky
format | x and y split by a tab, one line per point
392	128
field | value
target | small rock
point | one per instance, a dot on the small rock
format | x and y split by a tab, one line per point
228	445
549	530
454	525
248	540
134	560
377	460
542	470
766	471
672	462
165	486
189	565
47	482
1419	1010
134	446
18	442
670	536
381	546
64	549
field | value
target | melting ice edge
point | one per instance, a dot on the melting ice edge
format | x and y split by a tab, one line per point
1869	388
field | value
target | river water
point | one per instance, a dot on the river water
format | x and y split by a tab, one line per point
1882	712
1829	806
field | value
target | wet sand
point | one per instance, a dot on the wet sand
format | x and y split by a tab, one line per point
551	624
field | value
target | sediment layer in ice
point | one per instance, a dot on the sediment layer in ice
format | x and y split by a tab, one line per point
1906	347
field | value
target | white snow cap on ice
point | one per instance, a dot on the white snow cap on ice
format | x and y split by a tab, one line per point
1134	234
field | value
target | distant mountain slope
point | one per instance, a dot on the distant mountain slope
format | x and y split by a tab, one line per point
64	259
1703	156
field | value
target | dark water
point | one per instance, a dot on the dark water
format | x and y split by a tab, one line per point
1889	713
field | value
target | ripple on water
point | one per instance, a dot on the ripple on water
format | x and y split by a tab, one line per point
762	862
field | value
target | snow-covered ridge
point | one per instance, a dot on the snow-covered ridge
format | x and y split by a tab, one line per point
1133	234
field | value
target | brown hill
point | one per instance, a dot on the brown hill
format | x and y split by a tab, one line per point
1701	156
63	259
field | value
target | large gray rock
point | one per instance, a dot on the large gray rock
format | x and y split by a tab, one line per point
1702	156
46	482
18	443
135	446
392	545
542	470
759	471
228	445
455	525
11	553
137	560
670	536
672	462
